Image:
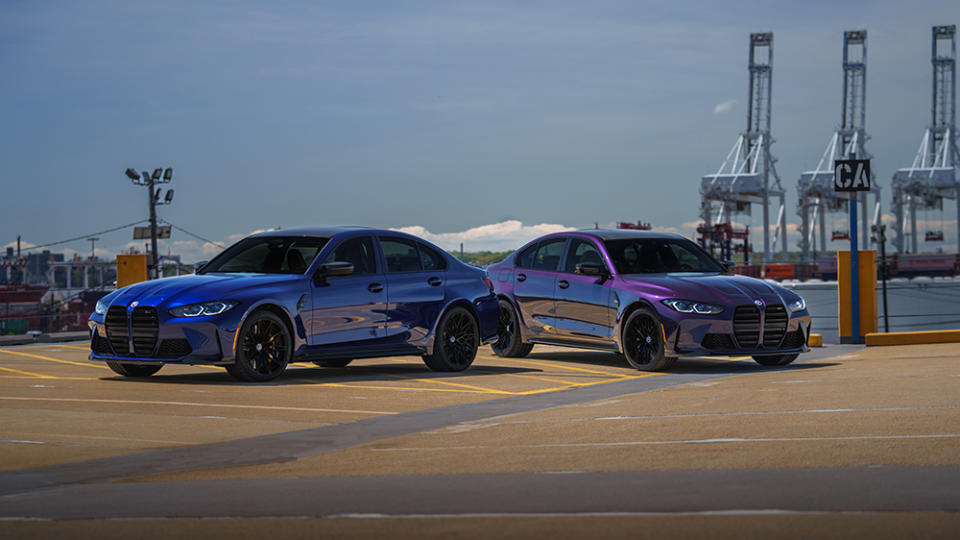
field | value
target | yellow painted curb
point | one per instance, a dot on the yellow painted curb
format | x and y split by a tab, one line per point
913	338
815	340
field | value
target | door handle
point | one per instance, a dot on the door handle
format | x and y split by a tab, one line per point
563	284
434	281
521	277
374	287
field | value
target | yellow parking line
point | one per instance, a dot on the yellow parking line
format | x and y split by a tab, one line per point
78	347
192	404
558	365
534	377
580	385
459	385
8	351
30	373
399	388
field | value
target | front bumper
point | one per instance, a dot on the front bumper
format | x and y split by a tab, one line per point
193	342
717	336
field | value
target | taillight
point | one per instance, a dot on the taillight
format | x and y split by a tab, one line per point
488	282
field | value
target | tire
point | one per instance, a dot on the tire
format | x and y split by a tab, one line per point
334	362
264	348
643	344
134	370
456	342
776	360
509	343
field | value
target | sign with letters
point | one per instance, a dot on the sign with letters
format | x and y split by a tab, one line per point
851	175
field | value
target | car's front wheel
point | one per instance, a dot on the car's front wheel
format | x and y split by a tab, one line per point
509	344
775	360
133	370
643	342
263	348
456	342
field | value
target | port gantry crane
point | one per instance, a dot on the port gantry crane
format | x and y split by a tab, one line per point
744	177
932	177
815	193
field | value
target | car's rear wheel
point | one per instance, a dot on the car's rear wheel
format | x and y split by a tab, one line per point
643	342
333	362
775	360
133	370
263	348
456	342
509	344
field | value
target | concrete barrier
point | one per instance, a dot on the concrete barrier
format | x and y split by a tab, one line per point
912	338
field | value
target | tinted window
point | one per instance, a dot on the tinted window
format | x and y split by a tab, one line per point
267	255
525	258
401	255
548	255
358	252
659	255
581	251
430	259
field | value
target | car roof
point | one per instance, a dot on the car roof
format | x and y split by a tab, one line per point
614	234
322	232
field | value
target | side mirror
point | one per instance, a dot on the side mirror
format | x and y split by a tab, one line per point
728	266
198	266
590	269
334	269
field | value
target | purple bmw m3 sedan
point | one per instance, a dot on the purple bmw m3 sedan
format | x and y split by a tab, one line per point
651	296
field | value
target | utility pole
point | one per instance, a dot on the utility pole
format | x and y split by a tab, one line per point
159	176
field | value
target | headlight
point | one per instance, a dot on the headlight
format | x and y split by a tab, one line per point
797	305
203	309
101	308
684	306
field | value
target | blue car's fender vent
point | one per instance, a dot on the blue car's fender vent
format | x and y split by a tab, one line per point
143	325
774	325
117	331
173	348
746	326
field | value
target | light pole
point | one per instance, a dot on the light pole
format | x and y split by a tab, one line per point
159	176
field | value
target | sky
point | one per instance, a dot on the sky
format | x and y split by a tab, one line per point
486	123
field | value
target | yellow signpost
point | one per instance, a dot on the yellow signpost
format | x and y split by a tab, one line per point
131	269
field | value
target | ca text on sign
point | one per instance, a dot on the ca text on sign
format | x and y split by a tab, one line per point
851	175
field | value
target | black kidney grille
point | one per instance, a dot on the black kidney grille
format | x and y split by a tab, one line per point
774	325
117	331
746	326
143	325
718	342
173	348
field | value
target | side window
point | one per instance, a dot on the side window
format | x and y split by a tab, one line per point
581	251
401	254
358	252
525	258
430	259
548	255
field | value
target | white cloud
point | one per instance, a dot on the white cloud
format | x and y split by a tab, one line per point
503	236
725	107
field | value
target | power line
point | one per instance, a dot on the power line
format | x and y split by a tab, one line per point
197	236
84	237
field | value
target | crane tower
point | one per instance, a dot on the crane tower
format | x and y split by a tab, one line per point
932	177
815	188
744	177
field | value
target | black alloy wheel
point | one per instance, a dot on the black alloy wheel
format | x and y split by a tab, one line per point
263	348
643	342
134	370
509	344
456	342
775	360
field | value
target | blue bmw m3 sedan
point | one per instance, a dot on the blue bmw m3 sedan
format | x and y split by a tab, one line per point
322	295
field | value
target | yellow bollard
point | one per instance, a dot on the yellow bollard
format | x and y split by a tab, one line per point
868	295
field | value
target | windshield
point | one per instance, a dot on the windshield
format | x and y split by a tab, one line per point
659	256
267	255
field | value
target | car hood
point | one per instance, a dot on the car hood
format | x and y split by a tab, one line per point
709	288
198	288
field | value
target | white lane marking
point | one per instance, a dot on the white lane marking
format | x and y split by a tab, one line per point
678	442
760	413
21	442
741	512
188	404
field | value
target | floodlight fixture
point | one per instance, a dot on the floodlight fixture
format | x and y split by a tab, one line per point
146	176
169	198
168	174
157	173
132	174
156	196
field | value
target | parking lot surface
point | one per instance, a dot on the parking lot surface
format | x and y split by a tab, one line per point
863	442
